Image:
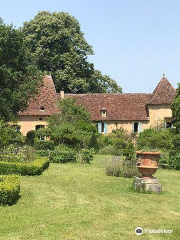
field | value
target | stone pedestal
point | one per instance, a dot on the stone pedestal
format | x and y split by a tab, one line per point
147	185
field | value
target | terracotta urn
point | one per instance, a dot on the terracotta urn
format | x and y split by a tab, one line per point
147	163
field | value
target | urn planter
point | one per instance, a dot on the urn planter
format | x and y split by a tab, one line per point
147	163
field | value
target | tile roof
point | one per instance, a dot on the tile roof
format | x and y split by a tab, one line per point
44	104
164	93
118	106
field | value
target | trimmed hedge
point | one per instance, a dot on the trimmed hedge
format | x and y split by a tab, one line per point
34	168
10	158
43	153
9	189
63	156
44	145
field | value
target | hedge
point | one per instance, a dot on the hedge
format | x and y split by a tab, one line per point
43	153
34	168
44	145
63	156
9	189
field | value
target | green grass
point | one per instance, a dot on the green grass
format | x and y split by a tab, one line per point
78	201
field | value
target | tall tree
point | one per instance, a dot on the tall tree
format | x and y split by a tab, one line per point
18	77
175	106
58	46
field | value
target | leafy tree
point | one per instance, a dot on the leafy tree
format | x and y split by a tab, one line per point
18	76
175	152
58	46
9	135
175	106
72	126
155	139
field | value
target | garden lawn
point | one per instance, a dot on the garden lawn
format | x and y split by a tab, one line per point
78	201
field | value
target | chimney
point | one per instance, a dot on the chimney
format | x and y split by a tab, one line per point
62	94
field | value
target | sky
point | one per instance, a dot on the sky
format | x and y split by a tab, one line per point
134	41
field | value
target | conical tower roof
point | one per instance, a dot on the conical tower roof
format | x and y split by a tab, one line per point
45	102
163	94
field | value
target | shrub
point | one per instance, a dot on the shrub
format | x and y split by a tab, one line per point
34	168
120	167
86	156
110	150
44	145
9	189
63	156
18	154
30	137
29	154
43	153
119	142
155	139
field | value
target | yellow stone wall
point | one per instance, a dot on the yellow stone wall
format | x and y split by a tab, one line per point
127	125
158	113
29	123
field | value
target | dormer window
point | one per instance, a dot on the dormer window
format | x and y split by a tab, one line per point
42	108
103	113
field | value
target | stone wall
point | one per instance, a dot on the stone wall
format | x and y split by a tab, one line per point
28	123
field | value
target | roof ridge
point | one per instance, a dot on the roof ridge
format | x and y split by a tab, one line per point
75	94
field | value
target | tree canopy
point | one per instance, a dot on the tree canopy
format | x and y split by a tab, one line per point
18	76
58	46
175	106
72	126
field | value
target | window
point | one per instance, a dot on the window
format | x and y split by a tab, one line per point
136	127
168	125
16	127
39	126
102	127
42	108
103	113
40	119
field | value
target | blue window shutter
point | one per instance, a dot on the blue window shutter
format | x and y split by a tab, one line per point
132	127
139	127
99	127
105	128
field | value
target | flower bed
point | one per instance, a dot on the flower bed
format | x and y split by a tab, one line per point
9	188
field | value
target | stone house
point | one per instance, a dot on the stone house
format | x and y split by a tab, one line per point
132	111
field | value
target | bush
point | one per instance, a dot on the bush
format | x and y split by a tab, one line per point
155	139
43	153
119	142
109	150
66	155
30	137
18	154
9	189
120	167
34	168
44	145
174	160
86	156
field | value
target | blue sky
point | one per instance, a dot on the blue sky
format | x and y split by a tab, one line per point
134	41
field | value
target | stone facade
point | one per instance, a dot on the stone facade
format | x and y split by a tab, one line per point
109	111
